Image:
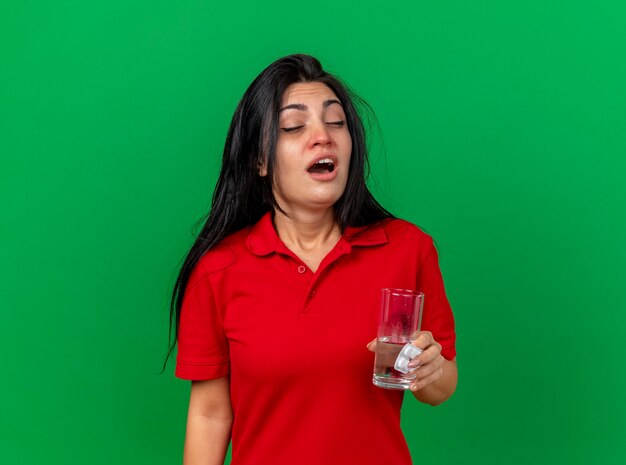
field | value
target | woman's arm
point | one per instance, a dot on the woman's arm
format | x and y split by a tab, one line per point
209	422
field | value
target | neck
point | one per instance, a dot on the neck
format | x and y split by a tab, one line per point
307	230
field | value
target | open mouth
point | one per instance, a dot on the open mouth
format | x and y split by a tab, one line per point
325	165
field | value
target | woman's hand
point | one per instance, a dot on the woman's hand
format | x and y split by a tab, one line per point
427	367
432	371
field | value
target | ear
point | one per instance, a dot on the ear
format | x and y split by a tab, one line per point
262	168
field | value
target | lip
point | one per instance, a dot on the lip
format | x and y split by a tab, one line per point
324	176
321	157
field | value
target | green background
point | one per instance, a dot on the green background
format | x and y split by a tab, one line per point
502	133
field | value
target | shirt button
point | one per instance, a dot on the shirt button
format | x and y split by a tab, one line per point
301	269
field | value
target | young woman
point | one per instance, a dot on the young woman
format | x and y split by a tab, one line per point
276	305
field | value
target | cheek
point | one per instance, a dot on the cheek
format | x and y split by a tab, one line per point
348	148
281	162
347	142
286	167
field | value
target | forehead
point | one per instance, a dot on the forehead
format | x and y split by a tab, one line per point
307	91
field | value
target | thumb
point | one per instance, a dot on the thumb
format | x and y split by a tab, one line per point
372	345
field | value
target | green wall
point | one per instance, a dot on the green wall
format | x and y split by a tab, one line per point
504	129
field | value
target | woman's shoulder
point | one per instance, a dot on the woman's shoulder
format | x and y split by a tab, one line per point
221	256
399	229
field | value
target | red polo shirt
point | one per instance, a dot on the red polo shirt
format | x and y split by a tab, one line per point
294	342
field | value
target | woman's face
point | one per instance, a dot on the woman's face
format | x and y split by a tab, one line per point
313	148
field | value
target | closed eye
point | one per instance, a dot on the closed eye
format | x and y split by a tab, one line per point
337	123
293	128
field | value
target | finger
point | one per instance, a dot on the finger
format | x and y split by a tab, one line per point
427	355
423	382
423	340
372	345
428	368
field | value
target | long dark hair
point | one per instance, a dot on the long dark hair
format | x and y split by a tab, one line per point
241	196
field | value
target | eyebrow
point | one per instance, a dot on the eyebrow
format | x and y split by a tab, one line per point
302	107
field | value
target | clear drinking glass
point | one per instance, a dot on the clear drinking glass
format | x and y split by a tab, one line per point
398	324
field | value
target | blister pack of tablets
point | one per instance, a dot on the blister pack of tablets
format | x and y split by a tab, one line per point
408	352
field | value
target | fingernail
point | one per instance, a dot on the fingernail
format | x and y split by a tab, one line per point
414	364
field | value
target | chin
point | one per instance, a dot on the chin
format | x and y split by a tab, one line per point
325	201
319	199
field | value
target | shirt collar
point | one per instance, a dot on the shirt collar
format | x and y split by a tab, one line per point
263	239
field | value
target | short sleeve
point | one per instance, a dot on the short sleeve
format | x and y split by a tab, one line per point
202	344
437	317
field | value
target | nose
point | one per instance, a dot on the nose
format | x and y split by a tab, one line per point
320	135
